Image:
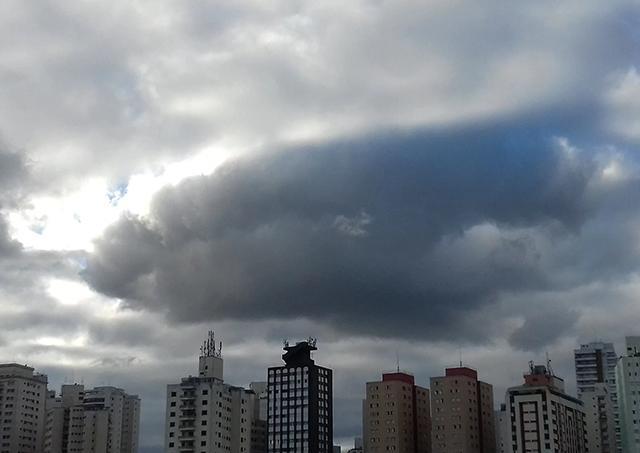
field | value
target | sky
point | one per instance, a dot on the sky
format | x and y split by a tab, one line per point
428	180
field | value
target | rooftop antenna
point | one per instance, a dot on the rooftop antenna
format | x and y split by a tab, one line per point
208	348
460	351
397	361
549	364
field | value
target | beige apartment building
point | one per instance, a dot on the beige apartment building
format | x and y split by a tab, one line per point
396	416
23	395
462	413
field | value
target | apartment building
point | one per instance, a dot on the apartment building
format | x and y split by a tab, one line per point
300	404
628	390
100	420
595	364
462	413
503	430
396	415
543	418
598	407
206	415
23	394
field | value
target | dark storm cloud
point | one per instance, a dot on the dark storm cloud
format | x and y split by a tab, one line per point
406	233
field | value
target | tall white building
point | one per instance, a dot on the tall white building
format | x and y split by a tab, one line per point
628	387
101	420
595	364
23	395
205	415
543	418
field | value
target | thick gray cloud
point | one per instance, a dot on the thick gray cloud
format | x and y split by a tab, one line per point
453	233
544	327
399	234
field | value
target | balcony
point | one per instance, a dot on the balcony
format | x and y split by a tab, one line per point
187	436
190	415
187	446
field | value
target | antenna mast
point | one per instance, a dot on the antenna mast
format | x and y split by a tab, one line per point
208	348
549	364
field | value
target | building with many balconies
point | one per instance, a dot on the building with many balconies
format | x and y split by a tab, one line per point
206	415
23	395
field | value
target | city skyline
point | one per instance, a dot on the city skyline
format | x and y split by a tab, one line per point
422	179
513	369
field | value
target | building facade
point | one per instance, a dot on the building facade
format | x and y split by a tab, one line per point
503	430
598	408
462	413
595	365
130	424
543	418
100	420
259	432
23	395
628	390
206	415
396	415
300	403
